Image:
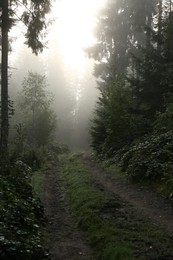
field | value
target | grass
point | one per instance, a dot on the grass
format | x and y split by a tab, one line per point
37	182
39	176
112	227
87	202
115	170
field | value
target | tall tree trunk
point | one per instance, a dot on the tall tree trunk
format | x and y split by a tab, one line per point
170	6
160	24
4	79
169	36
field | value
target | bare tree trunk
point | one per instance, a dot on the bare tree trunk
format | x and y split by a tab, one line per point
160	18
170	6
4	79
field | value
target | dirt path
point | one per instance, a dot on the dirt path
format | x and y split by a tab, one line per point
148	203
63	239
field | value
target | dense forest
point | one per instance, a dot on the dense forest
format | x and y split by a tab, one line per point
133	57
131	127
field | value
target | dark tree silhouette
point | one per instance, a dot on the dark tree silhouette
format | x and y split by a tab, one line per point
34	19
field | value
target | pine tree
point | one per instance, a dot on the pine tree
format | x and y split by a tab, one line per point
153	69
113	125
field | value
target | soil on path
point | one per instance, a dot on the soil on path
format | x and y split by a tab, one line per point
62	238
146	202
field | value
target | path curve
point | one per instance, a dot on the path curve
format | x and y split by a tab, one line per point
149	203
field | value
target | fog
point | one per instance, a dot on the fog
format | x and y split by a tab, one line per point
69	76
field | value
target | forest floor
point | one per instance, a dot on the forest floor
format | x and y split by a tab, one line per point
62	238
65	240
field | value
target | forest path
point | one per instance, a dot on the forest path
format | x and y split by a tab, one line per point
146	202
62	238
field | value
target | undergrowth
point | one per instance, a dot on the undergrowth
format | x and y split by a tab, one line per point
114	230
37	182
20	215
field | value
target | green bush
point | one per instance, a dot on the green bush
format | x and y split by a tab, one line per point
151	159
20	215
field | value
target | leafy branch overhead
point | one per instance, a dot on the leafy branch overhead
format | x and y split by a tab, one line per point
34	19
33	15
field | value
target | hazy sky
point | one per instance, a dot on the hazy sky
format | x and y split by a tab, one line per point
68	70
71	31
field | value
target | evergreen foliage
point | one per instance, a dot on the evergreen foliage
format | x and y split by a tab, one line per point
133	117
113	126
33	15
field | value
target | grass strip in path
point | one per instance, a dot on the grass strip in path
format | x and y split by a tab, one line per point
112	226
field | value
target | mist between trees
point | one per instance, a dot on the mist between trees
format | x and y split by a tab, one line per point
126	118
74	96
133	67
133	70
